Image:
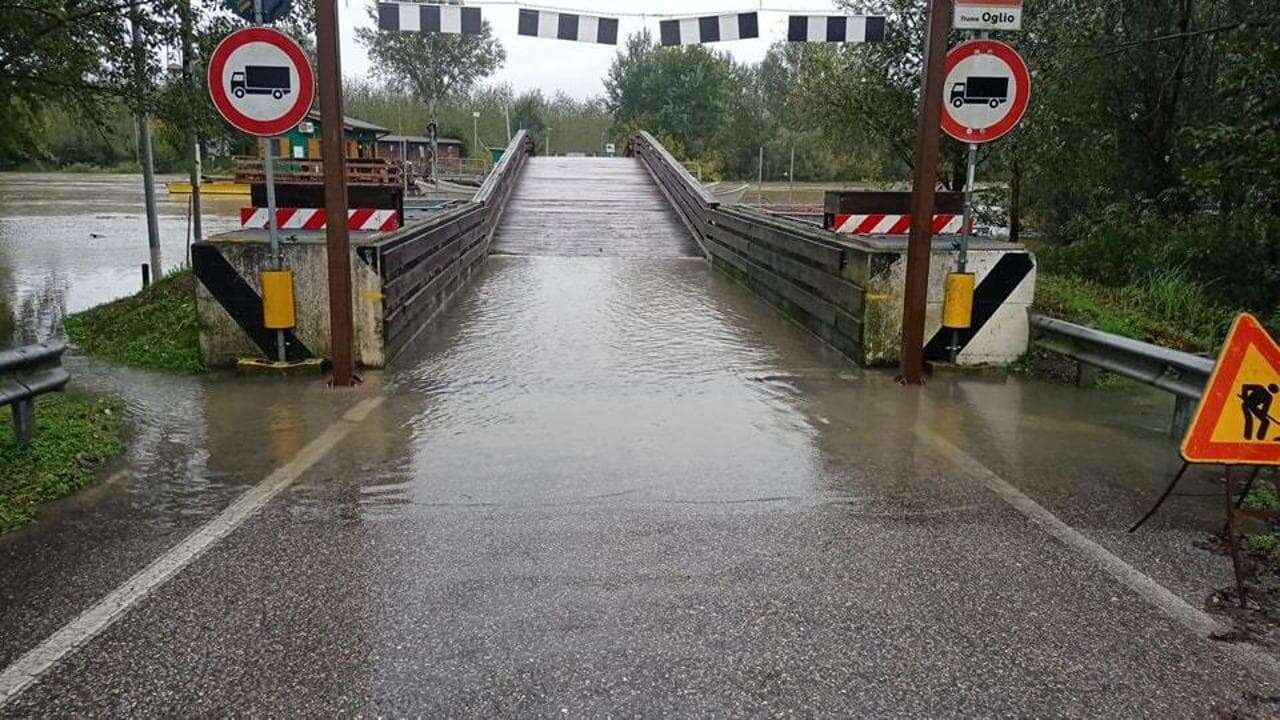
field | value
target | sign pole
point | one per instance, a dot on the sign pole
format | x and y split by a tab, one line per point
1229	487
966	230
273	230
925	178
333	152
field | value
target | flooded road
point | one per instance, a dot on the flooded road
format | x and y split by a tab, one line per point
72	241
622	485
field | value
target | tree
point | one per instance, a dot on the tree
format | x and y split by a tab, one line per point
433	66
70	53
685	96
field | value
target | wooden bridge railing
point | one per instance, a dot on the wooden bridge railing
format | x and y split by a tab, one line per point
424	263
375	172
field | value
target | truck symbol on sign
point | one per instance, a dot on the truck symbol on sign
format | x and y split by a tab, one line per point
270	80
993	91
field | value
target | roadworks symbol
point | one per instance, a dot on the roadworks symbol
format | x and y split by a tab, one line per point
1237	422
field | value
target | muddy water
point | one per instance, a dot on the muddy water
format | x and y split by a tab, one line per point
72	241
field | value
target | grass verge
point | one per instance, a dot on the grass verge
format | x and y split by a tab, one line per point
75	436
1166	308
157	329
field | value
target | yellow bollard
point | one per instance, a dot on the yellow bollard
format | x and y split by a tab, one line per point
957	306
277	300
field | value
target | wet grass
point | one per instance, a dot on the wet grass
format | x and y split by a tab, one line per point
75	436
157	329
1166	308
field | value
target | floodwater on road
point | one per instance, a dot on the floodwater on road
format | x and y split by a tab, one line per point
69	241
609	480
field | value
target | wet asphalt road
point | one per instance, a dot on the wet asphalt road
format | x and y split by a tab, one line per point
616	486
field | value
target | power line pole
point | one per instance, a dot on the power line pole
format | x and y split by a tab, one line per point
924	181
193	138
333	152
144	141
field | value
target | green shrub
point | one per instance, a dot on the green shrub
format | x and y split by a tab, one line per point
1235	260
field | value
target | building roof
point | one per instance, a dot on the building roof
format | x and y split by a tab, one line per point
417	139
351	123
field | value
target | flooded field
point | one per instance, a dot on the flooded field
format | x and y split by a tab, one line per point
72	241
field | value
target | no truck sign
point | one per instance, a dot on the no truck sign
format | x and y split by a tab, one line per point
261	82
986	92
987	15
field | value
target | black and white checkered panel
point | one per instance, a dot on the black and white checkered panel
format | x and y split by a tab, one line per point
709	29
424	18
836	28
569	26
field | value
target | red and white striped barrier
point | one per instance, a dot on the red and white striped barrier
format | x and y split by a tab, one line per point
313	219
894	224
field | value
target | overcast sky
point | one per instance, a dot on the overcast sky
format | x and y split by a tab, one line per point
579	68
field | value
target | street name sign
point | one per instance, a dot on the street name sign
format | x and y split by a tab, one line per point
987	15
261	82
1236	422
986	92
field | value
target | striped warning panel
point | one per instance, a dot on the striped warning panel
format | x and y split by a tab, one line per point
999	329
709	29
314	219
835	28
425	18
943	224
578	27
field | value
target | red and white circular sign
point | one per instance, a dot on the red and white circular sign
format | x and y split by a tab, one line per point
986	93
261	82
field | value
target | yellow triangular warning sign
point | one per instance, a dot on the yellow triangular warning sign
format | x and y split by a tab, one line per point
1238	421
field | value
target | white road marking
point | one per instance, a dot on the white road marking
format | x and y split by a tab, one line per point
1199	622
23	672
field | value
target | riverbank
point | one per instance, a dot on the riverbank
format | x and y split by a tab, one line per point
76	436
156	329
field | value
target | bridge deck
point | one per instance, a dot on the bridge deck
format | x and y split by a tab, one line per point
607	207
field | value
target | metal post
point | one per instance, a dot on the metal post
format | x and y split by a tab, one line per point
760	177
193	138
548	141
144	143
507	110
966	230
24	421
146	276
434	129
273	229
791	177
970	212
925	177
475	132
1229	486
328	56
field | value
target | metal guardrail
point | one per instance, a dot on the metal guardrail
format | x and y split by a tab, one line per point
26	373
1180	373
